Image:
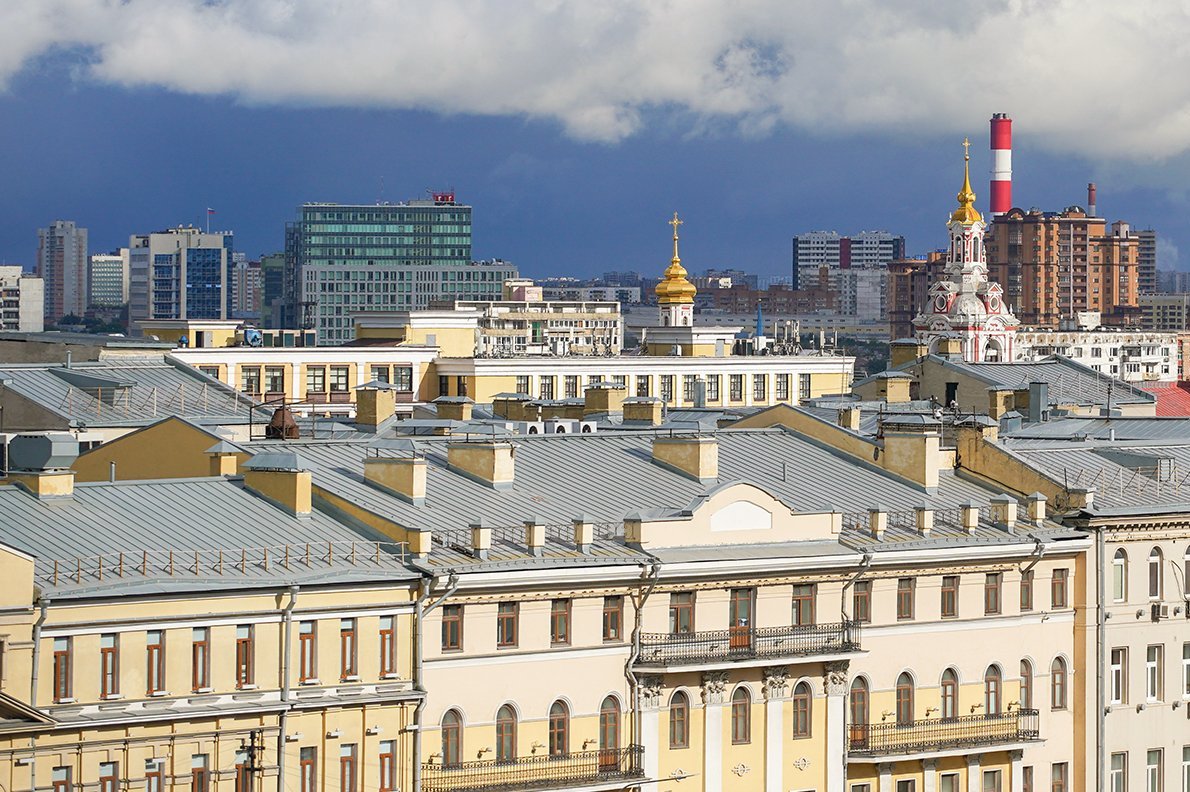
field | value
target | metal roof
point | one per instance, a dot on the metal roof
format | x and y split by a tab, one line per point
1069	382
143	390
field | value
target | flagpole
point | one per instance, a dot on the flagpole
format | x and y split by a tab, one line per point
208	220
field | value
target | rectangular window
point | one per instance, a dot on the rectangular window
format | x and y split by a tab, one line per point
950	596
506	623
245	655
403	378
689	382
906	785
681	613
340	376
642	386
274	379
736	381
443	385
1059	777
992	585
63	670
316	379
61	779
547	388
348	667
1118	676
1027	779
200	774
760	384
613	618
522	383
154	775
948	782
243	777
155	662
1119	772
861	601
1153	770
1154	673
347	768
560	622
307	652
712	387
251	379
1058	589
991	781
109	665
380	374
782	391
200	659
452	628
1186	768
906	589
1027	590
388	765
1186	673
388	646
803	386
307	772
667	388
804	596
109	777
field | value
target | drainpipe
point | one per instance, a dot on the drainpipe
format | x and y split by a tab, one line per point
1100	626
420	609
651	574
1038	554
41	617
287	618
863	567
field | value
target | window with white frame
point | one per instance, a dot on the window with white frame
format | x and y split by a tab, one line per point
1153	772
1119	772
1118	676
1119	576
1154	665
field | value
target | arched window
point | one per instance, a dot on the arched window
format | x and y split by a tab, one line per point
505	734
991	690
1186	570
950	694
559	729
904	699
858	702
679	720
1026	685
1119	576
1058	684
741	716
452	739
609	733
1155	582
802	697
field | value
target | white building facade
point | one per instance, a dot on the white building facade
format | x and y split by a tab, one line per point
1133	356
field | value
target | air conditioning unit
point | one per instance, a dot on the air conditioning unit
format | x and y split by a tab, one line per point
530	427
1159	611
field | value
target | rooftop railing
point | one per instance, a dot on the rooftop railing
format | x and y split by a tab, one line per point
748	643
941	734
535	772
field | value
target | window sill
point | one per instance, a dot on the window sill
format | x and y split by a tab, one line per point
70	700
351	678
390	675
202	690
158	693
310	682
246	686
112	697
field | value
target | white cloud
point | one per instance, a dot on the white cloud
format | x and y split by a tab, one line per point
1097	79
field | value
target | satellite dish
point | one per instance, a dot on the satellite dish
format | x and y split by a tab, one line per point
253	337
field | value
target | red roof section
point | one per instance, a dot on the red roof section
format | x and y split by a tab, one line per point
1173	398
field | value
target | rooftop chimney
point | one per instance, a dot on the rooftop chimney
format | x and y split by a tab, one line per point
403	476
1001	140
280	477
374	406
693	456
604	397
643	409
224	458
849	418
453	408
491	462
40	463
1091	200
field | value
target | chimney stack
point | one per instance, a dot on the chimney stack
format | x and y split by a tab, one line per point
1091	200
1001	197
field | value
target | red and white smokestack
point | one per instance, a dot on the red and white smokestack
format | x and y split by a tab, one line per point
1091	200
1001	199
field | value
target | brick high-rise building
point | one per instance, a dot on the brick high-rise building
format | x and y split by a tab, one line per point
909	282
62	266
1055	264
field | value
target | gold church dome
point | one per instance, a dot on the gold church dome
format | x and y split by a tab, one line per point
674	288
966	212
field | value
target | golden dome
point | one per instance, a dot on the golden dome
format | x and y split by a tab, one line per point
674	288
966	212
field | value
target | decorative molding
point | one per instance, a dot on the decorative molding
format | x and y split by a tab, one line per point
776	682
678	775
834	678
801	763
714	686
741	769
651	688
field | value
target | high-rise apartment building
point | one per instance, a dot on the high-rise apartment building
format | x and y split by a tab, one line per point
855	267
22	301
179	273
342	259
272	292
1146	262
1053	265
62	266
107	279
909	282
247	286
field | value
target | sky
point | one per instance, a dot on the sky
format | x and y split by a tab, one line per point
576	129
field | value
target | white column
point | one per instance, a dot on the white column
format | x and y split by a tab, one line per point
929	775
834	684
973	784
885	771
1017	782
714	689
776	687
650	724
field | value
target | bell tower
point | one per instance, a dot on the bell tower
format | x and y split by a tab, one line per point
675	293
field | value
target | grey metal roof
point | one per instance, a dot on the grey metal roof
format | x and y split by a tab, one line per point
215	518
1069	382
143	390
1124	428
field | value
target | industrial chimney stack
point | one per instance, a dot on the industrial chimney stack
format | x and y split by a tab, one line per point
1091	200
1001	199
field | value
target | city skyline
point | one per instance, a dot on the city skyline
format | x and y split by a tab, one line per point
580	185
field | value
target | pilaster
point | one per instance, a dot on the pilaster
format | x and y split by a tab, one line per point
973	774
834	685
652	689
776	693
714	693
1017	782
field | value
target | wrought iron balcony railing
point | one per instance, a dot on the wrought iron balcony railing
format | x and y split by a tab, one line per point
941	734
748	643
535	772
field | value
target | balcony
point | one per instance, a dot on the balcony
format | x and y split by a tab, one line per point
940	735
609	769
739	645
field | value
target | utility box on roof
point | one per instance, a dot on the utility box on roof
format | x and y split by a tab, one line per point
46	451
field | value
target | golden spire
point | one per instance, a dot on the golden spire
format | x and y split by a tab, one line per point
674	288
966	212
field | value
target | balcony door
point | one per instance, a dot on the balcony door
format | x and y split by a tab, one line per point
609	735
739	618
859	713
